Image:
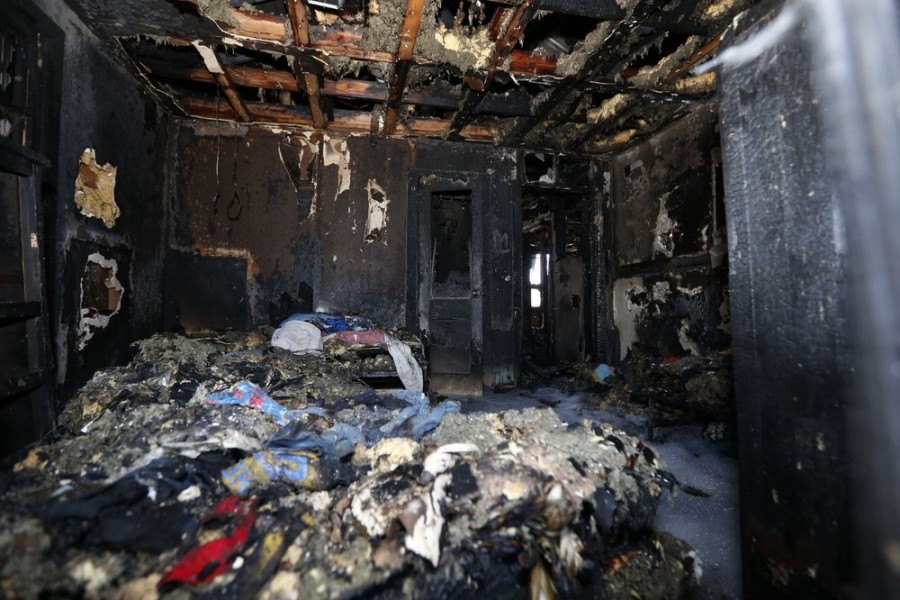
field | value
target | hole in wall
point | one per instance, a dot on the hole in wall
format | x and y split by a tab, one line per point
101	296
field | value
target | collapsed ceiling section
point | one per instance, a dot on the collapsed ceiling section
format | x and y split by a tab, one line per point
576	75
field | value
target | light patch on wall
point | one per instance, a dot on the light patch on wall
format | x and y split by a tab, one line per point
336	152
101	296
664	238
661	291
626	311
95	188
684	339
377	217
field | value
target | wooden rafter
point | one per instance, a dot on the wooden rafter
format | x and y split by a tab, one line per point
507	105
342	123
604	126
478	86
409	33
600	61
267	32
297	15
215	68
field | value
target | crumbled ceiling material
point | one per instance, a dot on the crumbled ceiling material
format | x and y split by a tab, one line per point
574	75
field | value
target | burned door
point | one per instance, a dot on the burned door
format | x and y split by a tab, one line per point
450	281
26	400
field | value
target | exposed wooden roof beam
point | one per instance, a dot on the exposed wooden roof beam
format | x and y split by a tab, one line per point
409	32
478	86
256	30
254	27
344	122
598	64
508	105
297	16
604	126
214	66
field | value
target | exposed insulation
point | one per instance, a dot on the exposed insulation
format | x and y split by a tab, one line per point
95	188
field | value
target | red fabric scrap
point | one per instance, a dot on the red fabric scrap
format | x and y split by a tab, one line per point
370	337
205	563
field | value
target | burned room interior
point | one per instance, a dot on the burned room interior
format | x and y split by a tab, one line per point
449	299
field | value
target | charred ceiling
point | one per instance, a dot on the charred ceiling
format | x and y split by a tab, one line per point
585	76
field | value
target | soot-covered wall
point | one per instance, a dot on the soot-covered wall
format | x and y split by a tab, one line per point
669	292
243	247
321	223
791	349
103	109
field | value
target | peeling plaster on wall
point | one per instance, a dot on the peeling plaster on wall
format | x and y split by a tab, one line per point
336	152
95	188
663	242
626	312
298	155
377	218
686	342
687	291
91	319
661	291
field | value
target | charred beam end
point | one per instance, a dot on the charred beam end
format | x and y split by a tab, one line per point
606	56
478	86
214	66
707	49
408	35
233	97
298	17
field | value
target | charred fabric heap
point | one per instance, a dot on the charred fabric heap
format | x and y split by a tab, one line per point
559	74
223	467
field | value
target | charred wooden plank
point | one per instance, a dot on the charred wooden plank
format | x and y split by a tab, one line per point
478	86
408	35
344	121
214	66
510	104
598	64
299	21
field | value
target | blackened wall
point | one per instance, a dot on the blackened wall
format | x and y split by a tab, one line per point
322	223
789	330
363	268
101	107
242	249
669	279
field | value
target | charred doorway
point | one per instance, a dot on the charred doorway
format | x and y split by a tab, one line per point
450	258
556	269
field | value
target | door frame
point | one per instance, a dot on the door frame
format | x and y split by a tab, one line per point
423	183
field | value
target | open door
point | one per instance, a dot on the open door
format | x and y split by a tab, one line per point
450	282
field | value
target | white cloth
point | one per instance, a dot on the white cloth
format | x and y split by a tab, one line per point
298	336
408	369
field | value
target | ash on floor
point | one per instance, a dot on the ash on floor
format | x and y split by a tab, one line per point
223	467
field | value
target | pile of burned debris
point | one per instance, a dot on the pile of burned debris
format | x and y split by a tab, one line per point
226	467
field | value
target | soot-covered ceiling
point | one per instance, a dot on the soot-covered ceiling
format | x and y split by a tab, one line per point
571	75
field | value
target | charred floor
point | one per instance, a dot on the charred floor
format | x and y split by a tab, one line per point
448	299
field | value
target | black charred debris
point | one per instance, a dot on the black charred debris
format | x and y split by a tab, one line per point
222	467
